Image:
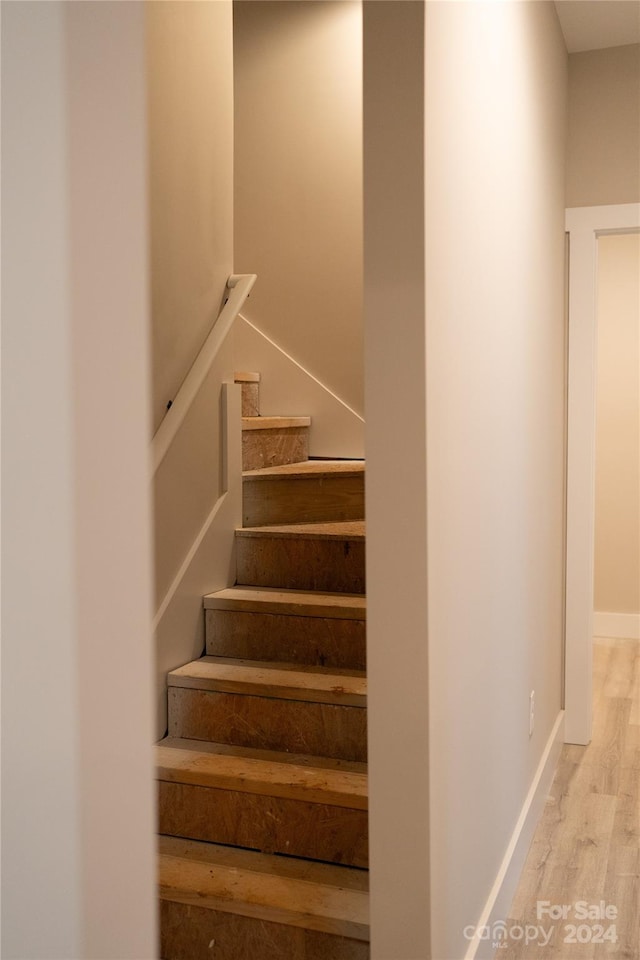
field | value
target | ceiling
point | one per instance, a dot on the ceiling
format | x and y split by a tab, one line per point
594	24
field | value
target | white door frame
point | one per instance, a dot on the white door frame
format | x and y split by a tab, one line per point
584	225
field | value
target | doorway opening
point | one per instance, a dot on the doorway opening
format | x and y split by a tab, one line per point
585	226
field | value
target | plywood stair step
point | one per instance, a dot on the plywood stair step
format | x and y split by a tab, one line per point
271	706
295	776
314	490
265	800
303	556
264	623
272	441
263	779
234	904
272	680
304	603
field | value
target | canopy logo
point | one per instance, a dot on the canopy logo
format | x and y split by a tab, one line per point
499	933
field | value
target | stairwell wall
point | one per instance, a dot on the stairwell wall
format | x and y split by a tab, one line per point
190	129
190	135
298	203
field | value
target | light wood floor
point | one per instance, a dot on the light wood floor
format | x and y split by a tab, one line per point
587	845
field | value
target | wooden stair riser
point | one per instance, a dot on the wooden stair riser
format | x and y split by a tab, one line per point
271	448
191	932
268	723
317	641
302	499
265	823
301	563
250	399
250	393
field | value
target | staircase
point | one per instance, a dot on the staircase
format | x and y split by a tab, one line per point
262	777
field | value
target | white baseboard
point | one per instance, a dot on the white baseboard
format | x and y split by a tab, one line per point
619	626
286	387
502	893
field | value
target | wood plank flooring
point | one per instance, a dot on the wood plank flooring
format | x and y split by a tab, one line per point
587	844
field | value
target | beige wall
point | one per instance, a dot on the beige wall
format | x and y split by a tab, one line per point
190	84
465	447
603	150
78	812
298	170
190	90
617	530
496	78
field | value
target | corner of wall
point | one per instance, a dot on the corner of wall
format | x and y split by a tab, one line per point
287	388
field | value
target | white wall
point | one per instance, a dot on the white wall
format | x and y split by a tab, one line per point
190	91
496	79
190	128
298	184
78	860
617	518
603	146
465	452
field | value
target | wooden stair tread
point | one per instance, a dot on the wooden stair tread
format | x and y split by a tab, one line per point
304	603
274	423
272	773
243	376
287	868
285	681
299	893
276	756
309	468
332	530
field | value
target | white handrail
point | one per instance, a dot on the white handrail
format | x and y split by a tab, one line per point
239	285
